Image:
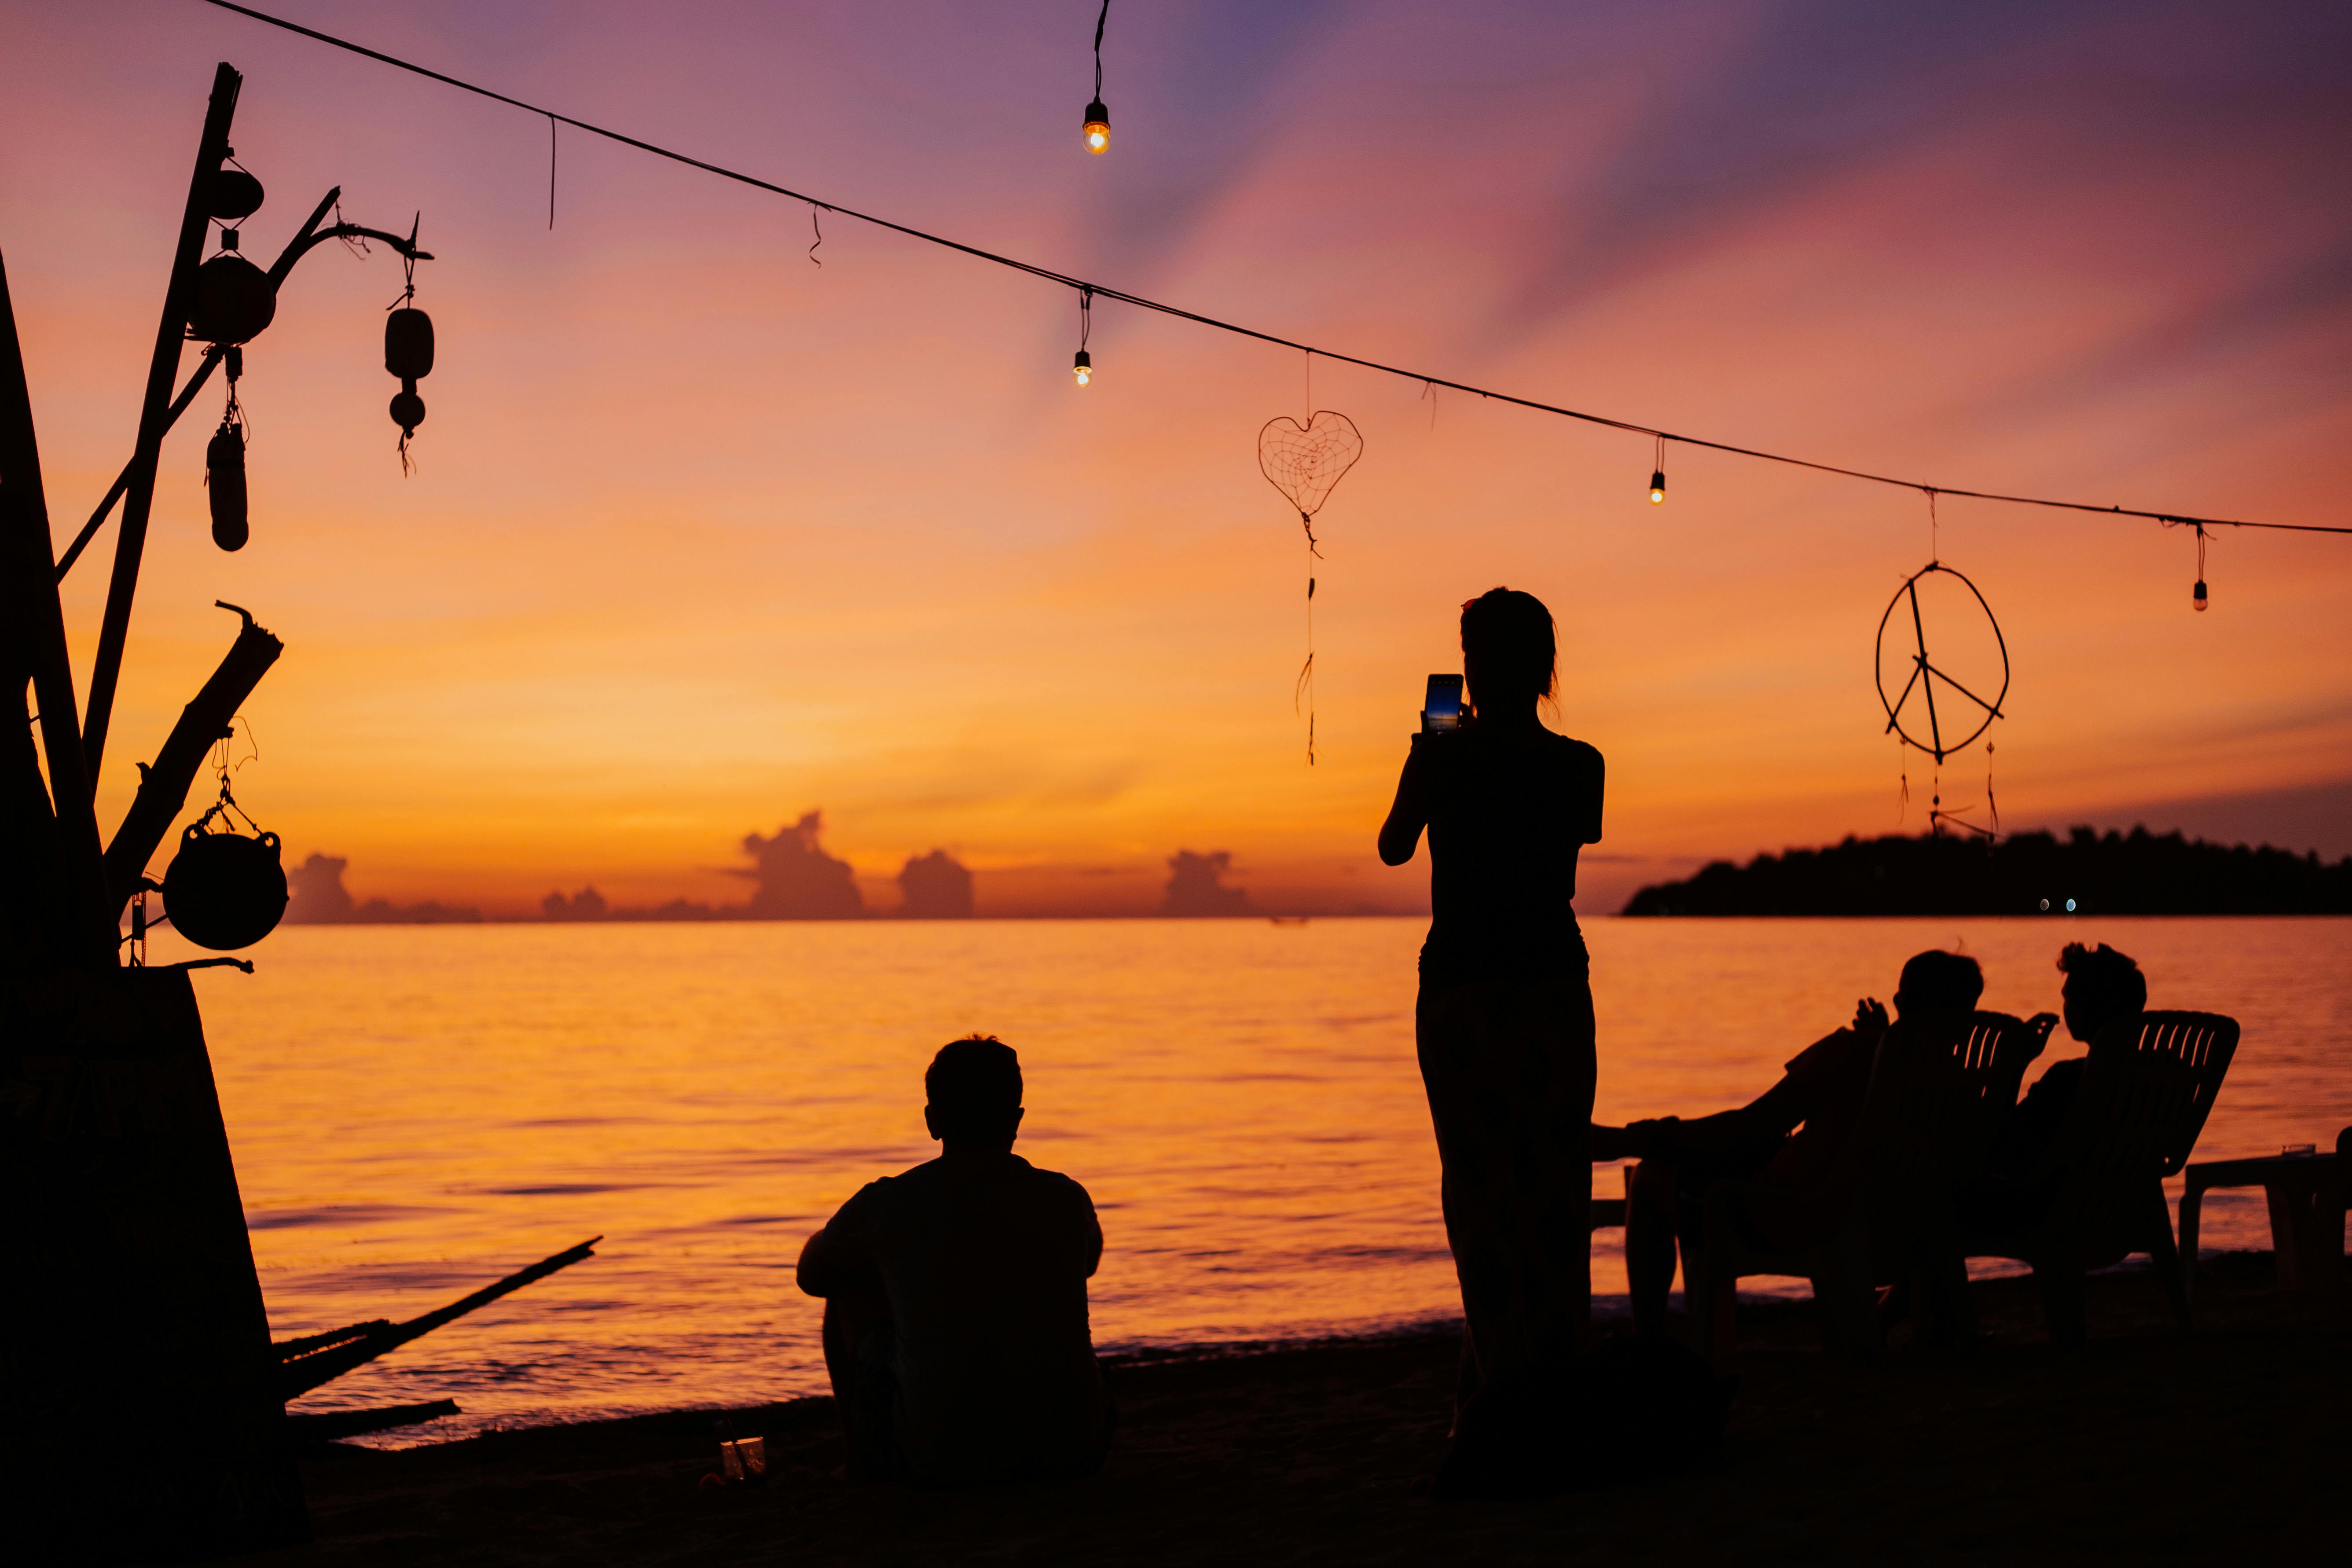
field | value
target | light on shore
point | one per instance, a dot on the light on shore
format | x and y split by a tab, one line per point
1097	127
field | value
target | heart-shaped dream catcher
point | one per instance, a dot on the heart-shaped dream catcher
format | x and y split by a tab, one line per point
1306	463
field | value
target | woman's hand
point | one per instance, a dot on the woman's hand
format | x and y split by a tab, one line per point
1869	1017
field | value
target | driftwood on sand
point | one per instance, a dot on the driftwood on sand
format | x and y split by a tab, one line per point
308	1363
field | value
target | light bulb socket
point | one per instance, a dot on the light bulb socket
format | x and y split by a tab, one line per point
1087	362
1098	114
1658	486
2198	597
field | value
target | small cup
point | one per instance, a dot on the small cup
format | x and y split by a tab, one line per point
744	1458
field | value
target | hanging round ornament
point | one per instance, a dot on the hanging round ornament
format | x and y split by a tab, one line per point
226	889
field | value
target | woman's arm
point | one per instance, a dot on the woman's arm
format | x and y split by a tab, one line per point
1410	813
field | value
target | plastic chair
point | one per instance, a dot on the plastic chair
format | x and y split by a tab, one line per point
2097	1197
1885	1210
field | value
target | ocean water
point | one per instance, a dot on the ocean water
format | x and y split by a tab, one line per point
416	1110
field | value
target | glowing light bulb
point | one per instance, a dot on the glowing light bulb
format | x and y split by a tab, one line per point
1658	488
1084	369
2198	598
1097	127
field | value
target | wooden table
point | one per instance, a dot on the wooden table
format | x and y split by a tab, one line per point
2306	1195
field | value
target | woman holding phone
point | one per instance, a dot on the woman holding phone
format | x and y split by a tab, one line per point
1505	1020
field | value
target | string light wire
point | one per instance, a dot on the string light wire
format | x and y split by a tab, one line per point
1159	307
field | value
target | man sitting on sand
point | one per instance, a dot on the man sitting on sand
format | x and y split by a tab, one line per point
955	1317
2102	986
1787	1141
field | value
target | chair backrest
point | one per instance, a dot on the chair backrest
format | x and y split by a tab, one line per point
2147	1088
1923	1121
2202	1044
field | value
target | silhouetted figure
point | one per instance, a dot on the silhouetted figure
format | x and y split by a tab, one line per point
1196	886
2102	986
315	894
798	880
955	1318
934	887
1786	1142
1505	1018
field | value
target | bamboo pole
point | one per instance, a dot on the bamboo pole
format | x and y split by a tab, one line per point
154	411
163	784
298	1376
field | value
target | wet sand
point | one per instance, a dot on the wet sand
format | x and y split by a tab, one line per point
2232	1445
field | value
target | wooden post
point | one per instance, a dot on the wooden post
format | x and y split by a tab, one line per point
164	785
154	415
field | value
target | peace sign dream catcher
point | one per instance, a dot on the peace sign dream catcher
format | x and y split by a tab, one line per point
1971	658
1306	463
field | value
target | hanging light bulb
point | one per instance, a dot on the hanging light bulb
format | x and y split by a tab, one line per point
2197	596
1658	476
1097	131
1084	369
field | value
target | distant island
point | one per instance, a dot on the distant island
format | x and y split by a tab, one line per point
793	877
2139	873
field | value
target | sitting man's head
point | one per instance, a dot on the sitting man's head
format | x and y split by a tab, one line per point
974	1090
1939	982
2102	985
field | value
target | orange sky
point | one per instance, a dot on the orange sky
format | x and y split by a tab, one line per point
703	536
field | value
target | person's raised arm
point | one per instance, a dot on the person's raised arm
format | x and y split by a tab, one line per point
1409	814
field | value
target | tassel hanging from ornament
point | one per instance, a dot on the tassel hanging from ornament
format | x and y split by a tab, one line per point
225	465
408	354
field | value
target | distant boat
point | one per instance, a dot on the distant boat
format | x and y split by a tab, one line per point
1286	919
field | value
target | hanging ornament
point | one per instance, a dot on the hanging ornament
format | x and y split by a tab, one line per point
1098	123
235	299
1975	659
234	194
225	889
224	462
408	354
1306	463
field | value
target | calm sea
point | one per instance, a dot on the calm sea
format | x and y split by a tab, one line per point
416	1111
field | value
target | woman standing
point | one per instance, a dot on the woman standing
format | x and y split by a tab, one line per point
1504	1019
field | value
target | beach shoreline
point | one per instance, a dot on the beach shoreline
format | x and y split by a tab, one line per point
2207	1446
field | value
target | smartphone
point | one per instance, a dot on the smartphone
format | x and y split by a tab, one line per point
1442	709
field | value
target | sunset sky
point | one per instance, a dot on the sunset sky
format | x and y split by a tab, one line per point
703	536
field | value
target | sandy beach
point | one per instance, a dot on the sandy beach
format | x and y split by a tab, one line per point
2231	1445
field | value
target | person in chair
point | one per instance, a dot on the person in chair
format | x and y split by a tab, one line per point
1787	1141
2102	986
955	1319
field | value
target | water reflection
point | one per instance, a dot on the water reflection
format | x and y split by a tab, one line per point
418	1109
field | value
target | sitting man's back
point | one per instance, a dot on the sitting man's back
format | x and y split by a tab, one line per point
956	1322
